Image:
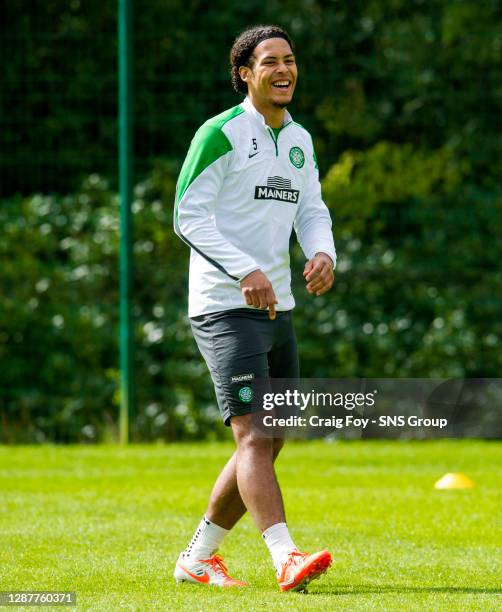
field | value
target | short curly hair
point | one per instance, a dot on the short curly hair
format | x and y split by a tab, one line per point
241	53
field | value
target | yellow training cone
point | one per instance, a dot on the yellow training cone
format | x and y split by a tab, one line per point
454	481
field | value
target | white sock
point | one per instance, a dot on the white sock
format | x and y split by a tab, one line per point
205	541
279	543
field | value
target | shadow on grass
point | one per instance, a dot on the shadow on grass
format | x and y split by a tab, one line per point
367	588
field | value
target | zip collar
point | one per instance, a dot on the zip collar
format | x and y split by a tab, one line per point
251	111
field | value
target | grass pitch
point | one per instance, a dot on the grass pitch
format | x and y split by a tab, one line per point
109	522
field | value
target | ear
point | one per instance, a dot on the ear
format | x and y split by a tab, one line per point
245	73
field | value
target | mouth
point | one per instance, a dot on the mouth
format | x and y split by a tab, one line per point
282	84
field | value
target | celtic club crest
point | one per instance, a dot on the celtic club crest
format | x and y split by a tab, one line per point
296	157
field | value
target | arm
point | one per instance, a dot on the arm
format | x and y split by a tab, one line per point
313	228
199	183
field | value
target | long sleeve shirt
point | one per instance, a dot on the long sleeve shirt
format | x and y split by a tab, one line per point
242	189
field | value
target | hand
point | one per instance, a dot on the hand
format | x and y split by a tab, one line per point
258	292
318	273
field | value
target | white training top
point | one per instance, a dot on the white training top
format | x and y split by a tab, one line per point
240	192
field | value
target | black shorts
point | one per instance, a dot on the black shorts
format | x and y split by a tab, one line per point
243	344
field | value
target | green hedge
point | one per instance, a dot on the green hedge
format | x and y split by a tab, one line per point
402	99
417	294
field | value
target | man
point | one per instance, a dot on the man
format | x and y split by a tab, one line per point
250	176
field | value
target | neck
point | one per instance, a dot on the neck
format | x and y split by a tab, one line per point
273	115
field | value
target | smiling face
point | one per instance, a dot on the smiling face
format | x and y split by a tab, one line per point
272	78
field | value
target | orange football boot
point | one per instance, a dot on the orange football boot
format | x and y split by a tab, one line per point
212	571
301	568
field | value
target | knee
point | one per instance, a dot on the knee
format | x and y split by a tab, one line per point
251	442
277	444
248	438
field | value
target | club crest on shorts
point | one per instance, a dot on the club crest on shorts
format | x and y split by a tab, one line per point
296	157
245	394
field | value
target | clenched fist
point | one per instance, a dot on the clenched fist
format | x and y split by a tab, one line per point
318	273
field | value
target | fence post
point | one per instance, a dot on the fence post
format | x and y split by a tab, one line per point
126	148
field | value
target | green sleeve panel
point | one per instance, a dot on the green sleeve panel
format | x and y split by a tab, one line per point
208	145
315	159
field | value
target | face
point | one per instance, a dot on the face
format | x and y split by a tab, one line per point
272	79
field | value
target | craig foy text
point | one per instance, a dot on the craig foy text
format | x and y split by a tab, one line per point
352	421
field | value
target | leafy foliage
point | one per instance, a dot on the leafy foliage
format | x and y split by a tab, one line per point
419	288
402	98
59	325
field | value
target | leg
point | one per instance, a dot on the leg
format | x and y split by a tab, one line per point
225	506
256	479
235	346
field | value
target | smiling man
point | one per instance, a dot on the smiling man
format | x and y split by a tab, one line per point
249	178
